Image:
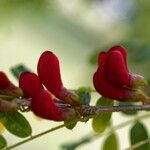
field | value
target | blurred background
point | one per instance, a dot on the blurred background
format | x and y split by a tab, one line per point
76	30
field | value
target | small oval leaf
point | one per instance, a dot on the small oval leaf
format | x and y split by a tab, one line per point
3	142
84	94
70	126
102	121
17	70
16	124
139	133
111	142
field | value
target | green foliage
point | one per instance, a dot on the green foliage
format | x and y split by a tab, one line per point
84	94
111	142
128	104
17	70
139	133
102	121
3	142
16	124
74	145
70	126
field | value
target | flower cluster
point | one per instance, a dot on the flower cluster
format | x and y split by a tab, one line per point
114	80
48	95
43	103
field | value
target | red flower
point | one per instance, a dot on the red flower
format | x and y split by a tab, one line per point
113	79
49	74
42	103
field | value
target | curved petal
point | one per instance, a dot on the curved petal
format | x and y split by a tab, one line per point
101	58
43	106
115	68
122	50
30	84
110	90
49	72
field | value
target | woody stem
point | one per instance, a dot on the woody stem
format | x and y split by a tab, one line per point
94	110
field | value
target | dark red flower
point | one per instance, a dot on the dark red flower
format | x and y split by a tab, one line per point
49	74
113	79
42	103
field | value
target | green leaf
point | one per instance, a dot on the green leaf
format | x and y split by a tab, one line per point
102	121
111	142
70	126
128	104
16	124
3	142
93	57
17	70
139	133
84	94
74	145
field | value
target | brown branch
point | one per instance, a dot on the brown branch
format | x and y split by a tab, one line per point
93	110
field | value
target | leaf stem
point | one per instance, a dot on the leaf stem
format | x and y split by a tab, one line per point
111	130
135	146
34	137
92	136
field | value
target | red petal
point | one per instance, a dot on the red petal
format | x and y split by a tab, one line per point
43	106
4	81
49	72
30	84
101	58
122	50
116	71
108	89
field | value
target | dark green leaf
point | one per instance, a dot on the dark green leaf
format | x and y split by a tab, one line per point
3	142
111	142
74	145
102	121
128	104
84	94
17	70
139	133
93	58
70	126
16	124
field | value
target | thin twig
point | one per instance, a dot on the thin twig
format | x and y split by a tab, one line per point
34	137
138	144
110	130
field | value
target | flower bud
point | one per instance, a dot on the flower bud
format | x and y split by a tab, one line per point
8	88
113	80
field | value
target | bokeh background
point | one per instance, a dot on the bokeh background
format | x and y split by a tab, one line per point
76	30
